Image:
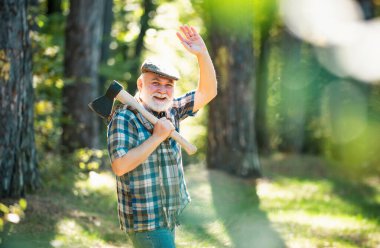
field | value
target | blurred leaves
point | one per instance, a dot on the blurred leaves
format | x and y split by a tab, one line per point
4	66
47	45
12	213
90	159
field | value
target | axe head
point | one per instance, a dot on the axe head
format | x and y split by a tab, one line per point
103	105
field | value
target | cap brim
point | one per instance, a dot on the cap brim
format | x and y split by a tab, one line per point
160	74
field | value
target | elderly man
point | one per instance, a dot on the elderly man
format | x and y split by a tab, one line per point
151	188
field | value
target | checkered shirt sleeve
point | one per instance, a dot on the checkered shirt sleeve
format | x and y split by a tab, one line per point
122	134
185	105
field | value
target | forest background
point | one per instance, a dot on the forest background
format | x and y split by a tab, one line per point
289	149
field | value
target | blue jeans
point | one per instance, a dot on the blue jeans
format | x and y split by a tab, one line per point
160	238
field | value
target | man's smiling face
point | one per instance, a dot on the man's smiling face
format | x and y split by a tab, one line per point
156	91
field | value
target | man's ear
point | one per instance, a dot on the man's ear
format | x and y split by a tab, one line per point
139	82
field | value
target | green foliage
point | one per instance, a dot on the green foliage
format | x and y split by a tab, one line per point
90	159
5	66
194	129
11	213
47	45
55	169
122	64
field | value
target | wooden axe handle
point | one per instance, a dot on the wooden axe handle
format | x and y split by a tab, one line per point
126	98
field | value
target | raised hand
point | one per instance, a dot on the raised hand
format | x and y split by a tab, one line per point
191	40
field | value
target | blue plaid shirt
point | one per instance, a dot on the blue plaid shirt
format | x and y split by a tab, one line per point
154	193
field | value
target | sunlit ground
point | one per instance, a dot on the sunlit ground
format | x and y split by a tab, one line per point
309	214
285	210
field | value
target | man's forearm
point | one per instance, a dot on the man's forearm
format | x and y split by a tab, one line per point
135	156
207	86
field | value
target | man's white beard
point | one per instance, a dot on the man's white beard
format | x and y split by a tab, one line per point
153	104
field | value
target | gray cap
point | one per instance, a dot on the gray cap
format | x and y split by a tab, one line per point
161	68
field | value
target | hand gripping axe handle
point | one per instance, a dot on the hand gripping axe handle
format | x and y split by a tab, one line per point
103	107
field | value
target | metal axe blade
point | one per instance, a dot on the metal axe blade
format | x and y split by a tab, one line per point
103	105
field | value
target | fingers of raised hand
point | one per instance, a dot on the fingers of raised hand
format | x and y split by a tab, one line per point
189	32
184	42
195	33
181	37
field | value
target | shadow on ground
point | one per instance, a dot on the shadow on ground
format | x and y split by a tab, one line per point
225	212
237	203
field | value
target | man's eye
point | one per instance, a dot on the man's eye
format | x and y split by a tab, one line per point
155	83
169	85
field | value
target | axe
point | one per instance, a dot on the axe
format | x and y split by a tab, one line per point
103	107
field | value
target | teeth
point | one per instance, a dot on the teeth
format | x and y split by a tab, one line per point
159	98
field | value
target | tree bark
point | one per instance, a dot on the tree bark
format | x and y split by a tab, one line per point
266	25
262	93
54	6
231	130
104	55
293	95
18	164
368	8
82	52
106	40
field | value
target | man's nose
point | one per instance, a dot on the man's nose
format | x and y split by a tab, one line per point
161	89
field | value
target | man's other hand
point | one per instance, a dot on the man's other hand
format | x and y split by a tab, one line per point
162	129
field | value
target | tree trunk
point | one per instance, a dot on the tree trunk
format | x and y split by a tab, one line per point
82	52
54	6
231	130
368	8
104	55
294	95
266	25
262	93
18	164
313	139
106	40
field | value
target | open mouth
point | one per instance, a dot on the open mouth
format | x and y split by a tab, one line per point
161	99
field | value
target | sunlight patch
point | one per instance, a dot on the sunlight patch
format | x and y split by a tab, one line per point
292	189
71	234
330	222
95	182
219	231
202	192
98	180
69	227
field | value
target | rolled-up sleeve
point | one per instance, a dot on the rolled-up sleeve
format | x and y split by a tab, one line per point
121	135
185	105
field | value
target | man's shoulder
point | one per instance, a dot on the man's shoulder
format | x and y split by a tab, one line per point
123	112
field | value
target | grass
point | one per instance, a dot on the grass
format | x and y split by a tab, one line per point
297	204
